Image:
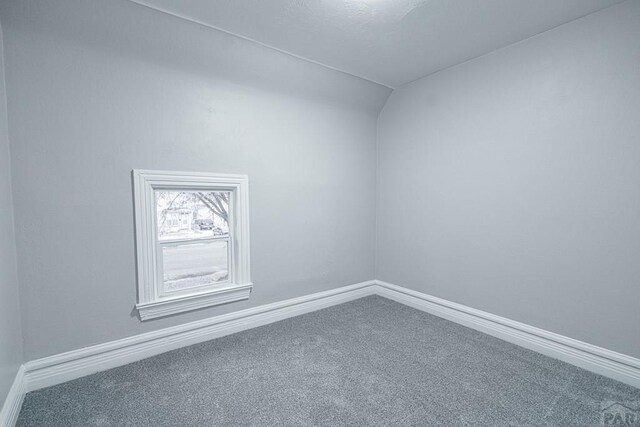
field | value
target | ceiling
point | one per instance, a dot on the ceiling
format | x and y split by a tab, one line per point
386	41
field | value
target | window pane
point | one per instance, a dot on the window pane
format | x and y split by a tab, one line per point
194	264
192	214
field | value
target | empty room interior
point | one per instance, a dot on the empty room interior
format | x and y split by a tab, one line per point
319	213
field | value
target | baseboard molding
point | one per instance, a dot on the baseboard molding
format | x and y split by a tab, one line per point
74	364
593	358
12	404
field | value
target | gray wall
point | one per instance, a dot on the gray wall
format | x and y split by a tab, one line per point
510	183
10	331
117	86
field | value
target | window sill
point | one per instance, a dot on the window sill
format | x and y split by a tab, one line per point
157	309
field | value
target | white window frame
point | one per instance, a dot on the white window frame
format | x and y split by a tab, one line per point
152	301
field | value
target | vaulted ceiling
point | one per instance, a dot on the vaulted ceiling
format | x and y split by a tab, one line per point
386	41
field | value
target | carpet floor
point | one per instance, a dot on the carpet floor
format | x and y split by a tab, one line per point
369	362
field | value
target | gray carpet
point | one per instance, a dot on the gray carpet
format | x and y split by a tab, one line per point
365	363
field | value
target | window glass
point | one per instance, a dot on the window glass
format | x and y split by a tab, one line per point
194	264
187	215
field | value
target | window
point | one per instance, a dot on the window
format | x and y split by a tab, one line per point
192	238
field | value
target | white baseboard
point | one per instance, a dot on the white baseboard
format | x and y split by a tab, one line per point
12	404
74	364
596	359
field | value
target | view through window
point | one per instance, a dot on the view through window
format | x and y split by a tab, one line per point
193	238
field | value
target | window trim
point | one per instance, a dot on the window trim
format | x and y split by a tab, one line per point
151	304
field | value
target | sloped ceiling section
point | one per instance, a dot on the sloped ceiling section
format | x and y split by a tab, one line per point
127	29
386	41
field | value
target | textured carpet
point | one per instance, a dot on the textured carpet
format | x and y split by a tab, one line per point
364	363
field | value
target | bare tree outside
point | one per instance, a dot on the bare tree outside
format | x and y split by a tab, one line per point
218	202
